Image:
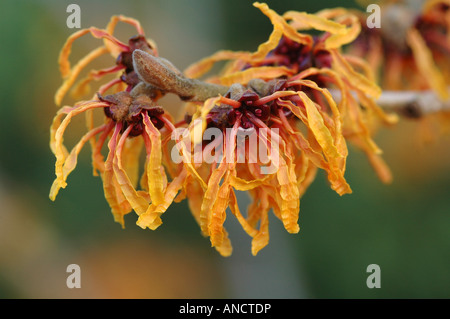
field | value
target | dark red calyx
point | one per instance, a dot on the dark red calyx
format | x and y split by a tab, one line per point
126	59
219	116
128	110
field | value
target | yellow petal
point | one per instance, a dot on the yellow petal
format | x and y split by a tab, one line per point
155	179
98	162
317	126
290	204
279	24
210	196
152	217
71	161
263	72
339	39
110	185
64	63
114	50
131	158
303	20
137	202
71	76
218	213
56	140
356	79
426	65
234	207
261	239
225	248
244	185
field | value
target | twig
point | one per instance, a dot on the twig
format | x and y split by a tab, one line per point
412	104
159	74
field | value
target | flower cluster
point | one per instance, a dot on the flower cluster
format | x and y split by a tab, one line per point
264	125
131	111
411	51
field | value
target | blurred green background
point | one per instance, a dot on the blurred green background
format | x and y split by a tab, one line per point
403	227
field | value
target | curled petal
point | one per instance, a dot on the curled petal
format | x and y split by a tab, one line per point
56	140
64	64
211	194
279	25
71	160
290	205
218	213
339	39
244	185
425	64
234	207
71	75
317	126
260	238
335	156
113	194
113	49
152	217
303	20
137	202
195	193
154	165
83	86
225	248
131	158
98	163
356	79
263	72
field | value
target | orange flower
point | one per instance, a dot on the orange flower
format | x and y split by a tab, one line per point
289	52
135	123
412	49
264	125
279	96
411	52
120	52
132	122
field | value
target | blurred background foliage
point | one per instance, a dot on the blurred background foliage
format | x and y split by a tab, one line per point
403	227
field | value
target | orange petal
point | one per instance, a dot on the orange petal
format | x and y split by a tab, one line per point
244	185
281	27
263	72
152	217
339	39
113	194
137	202
303	20
234	207
71	161
155	178
225	248
317	126
426	65
261	239
114	50
210	196
71	75
356	79
218	213
56	141
131	158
